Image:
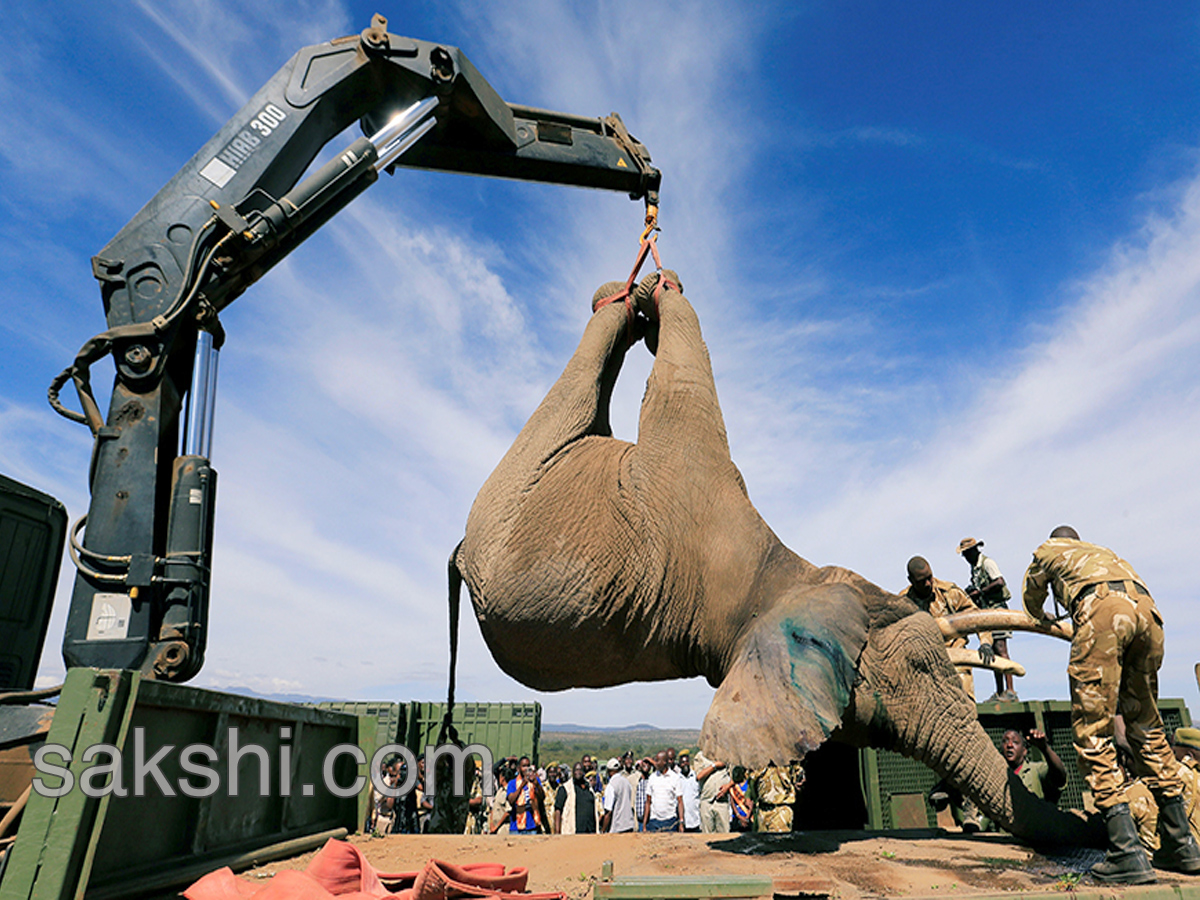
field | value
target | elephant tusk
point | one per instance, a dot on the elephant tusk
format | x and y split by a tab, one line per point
961	656
964	623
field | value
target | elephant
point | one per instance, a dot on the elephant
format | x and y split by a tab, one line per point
593	561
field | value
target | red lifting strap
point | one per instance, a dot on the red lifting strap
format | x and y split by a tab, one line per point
649	245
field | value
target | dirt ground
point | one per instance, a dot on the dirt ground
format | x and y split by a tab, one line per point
845	865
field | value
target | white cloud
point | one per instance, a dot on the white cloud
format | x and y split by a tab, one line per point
230	44
1095	427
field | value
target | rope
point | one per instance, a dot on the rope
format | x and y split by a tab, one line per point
455	592
647	243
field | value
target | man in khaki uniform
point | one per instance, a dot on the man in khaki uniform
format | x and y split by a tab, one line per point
775	796
1187	751
1044	778
1115	656
1145	813
943	598
1141	801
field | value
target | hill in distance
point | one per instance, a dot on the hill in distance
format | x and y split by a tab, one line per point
567	743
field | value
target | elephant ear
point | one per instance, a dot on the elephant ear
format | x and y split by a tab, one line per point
791	679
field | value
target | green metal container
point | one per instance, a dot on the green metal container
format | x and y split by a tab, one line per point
507	729
895	787
33	528
120	846
392	717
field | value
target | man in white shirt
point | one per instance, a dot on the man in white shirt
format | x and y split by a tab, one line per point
664	800
690	793
618	802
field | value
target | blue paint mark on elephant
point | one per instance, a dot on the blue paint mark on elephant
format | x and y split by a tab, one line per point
820	671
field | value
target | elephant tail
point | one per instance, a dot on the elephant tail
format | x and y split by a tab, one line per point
455	580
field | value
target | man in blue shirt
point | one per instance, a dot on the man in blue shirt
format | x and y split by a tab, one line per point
526	799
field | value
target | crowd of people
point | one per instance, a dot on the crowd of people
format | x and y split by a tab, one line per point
682	792
667	792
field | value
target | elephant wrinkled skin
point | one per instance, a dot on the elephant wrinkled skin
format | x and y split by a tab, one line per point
592	561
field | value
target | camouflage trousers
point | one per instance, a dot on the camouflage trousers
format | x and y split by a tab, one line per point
774	818
1115	657
1145	811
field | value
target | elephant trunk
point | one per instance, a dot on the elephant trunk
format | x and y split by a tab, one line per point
909	699
968	759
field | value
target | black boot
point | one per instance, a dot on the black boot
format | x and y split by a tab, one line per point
1179	852
1126	861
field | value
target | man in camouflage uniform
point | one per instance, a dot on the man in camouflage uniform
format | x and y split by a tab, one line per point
477	812
1141	801
775	796
1187	751
1144	811
943	598
988	590
1115	656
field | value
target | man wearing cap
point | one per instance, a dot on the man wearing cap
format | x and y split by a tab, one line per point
1141	801
988	590
1187	751
618	801
943	598
1116	652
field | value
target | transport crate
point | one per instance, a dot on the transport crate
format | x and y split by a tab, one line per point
506	729
392	717
146	840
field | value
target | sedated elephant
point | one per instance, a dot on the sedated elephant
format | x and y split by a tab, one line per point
593	561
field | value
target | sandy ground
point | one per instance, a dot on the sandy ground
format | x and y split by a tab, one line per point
845	865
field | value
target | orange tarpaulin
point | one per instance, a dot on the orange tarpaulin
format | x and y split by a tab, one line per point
340	870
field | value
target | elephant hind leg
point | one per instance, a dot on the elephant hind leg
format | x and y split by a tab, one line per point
578	403
575	408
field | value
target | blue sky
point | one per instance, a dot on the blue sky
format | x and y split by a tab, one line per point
946	256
